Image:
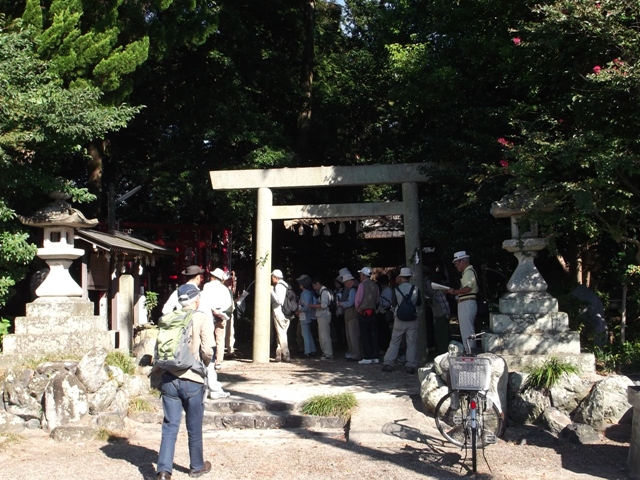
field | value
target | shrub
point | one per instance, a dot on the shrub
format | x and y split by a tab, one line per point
122	360
107	435
618	358
339	405
547	374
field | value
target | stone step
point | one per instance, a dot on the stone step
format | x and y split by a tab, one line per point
239	414
59	307
551	343
40	325
56	343
529	322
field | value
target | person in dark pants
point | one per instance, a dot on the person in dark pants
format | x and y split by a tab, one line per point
366	303
185	390
384	314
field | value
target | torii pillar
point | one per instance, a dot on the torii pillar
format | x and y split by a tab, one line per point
313	177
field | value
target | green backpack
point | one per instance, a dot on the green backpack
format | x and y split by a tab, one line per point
173	346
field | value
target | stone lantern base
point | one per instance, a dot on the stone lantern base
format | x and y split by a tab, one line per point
58	326
529	329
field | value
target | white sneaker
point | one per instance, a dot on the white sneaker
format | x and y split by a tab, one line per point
215	395
365	361
347	355
375	360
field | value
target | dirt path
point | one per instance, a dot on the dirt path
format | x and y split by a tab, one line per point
392	439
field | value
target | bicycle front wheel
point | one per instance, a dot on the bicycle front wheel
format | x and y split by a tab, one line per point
452	418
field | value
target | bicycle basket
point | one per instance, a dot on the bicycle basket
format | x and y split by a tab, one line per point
470	373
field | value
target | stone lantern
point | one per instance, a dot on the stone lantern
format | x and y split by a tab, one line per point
59	220
529	328
59	321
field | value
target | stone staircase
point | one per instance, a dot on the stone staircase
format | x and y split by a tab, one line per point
235	413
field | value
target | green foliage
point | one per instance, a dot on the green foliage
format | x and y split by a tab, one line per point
339	405
122	360
4	324
42	126
618	358
150	300
547	374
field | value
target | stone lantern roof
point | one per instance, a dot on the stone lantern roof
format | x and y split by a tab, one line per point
59	213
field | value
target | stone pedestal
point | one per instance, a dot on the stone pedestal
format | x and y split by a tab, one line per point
633	394
57	326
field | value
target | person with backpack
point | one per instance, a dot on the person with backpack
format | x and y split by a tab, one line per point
184	388
407	298
466	295
280	321
194	275
323	315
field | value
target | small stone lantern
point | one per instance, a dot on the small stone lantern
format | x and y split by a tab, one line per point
59	220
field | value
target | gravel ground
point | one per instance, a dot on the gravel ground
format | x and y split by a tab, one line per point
391	439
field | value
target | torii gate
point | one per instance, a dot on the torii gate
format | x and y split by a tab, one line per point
312	177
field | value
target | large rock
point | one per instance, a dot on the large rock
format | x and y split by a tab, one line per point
432	389
92	371
436	378
570	390
144	343
605	404
17	399
135	385
100	401
10	423
554	420
527	406
65	401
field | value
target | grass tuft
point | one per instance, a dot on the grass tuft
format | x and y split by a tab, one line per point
122	360
548	373
138	404
7	439
339	405
106	435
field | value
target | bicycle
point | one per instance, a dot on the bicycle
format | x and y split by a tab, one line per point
465	416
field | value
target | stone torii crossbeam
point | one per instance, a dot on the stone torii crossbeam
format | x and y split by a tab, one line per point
409	175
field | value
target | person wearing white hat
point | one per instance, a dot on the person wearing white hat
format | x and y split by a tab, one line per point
466	295
280	321
352	326
217	301
404	292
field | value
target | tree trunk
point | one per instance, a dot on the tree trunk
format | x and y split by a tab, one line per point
306	79
94	180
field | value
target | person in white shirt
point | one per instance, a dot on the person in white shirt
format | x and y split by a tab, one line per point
218	301
280	322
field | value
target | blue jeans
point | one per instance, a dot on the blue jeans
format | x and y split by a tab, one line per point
178	394
309	344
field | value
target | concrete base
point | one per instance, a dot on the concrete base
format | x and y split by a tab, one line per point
546	343
529	322
57	326
533	302
586	362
